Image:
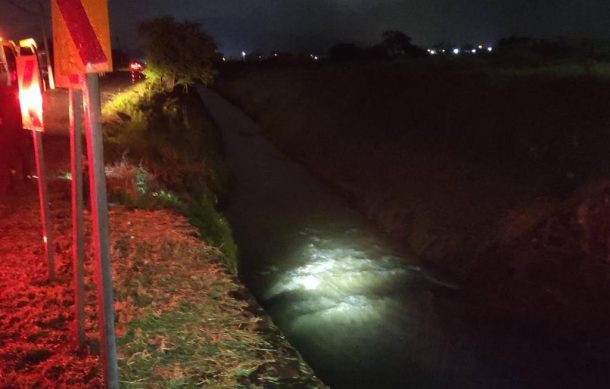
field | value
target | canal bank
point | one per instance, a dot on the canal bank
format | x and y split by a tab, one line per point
361	314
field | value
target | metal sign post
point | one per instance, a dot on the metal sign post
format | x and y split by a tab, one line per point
76	152
44	203
99	207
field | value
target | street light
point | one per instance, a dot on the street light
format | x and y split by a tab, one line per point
243	55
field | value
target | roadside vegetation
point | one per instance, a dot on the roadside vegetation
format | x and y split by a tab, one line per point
492	169
165	150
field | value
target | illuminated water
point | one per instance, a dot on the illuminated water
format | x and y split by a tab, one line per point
361	316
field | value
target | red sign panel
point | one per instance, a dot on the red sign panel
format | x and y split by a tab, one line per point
30	92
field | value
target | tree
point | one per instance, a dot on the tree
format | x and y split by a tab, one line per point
177	53
398	44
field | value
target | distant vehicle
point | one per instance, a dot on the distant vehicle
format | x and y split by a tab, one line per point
136	68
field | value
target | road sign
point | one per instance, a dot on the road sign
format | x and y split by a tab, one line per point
81	39
30	99
30	92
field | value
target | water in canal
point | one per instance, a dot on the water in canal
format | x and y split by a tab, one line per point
361	316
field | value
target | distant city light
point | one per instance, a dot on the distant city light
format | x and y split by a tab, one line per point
433	52
490	49
456	51
480	47
315	58
473	51
243	55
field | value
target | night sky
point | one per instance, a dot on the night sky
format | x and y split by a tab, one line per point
314	25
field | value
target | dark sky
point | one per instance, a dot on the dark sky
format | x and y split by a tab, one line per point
314	25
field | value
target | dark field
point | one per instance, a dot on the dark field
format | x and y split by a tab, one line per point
495	175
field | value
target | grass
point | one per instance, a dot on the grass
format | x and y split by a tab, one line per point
181	327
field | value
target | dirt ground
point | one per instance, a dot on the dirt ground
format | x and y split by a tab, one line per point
36	343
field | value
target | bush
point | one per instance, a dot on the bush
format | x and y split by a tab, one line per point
167	154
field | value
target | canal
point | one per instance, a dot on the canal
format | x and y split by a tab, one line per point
360	314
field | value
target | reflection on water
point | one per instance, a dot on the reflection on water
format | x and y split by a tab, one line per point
336	273
335	286
359	313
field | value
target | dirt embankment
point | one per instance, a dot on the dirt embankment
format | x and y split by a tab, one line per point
495	178
182	319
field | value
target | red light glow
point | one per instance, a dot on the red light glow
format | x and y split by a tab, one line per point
31	107
30	93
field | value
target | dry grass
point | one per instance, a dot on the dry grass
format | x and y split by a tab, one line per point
182	319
